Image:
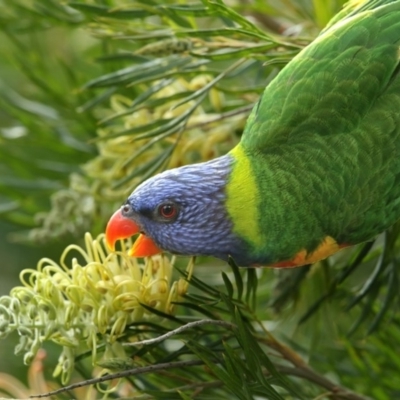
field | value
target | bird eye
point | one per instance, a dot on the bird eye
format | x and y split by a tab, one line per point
167	211
126	208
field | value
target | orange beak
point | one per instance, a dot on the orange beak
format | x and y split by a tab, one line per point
120	227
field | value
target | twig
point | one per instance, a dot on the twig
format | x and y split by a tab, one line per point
121	374
300	369
323	396
287	353
310	375
303	370
181	329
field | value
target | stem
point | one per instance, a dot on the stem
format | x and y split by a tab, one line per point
182	329
122	374
338	392
303	370
285	351
300	369
310	375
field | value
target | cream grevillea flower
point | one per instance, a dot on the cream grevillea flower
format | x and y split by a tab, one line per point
88	299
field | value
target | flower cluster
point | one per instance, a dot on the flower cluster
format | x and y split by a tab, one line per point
89	303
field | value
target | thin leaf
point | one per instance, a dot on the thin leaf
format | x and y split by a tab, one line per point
380	265
238	277
228	284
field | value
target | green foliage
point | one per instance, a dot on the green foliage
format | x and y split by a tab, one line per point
95	97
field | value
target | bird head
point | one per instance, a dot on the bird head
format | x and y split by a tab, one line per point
181	211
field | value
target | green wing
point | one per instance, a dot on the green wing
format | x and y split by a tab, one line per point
332	85
330	123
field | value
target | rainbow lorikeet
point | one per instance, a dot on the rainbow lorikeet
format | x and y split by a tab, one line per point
317	168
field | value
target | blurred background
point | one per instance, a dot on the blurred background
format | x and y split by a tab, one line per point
44	61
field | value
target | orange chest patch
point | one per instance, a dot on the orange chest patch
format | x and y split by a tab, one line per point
328	247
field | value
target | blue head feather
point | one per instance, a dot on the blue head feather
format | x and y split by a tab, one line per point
201	226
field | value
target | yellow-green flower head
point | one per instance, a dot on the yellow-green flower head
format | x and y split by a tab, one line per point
87	299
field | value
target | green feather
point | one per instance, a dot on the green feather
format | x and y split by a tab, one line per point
248	208
323	142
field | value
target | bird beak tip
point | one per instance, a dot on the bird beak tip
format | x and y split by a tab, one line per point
119	227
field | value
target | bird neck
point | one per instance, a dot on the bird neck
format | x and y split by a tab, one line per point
262	200
243	198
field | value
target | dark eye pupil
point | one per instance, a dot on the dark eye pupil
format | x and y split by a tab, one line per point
168	210
126	208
